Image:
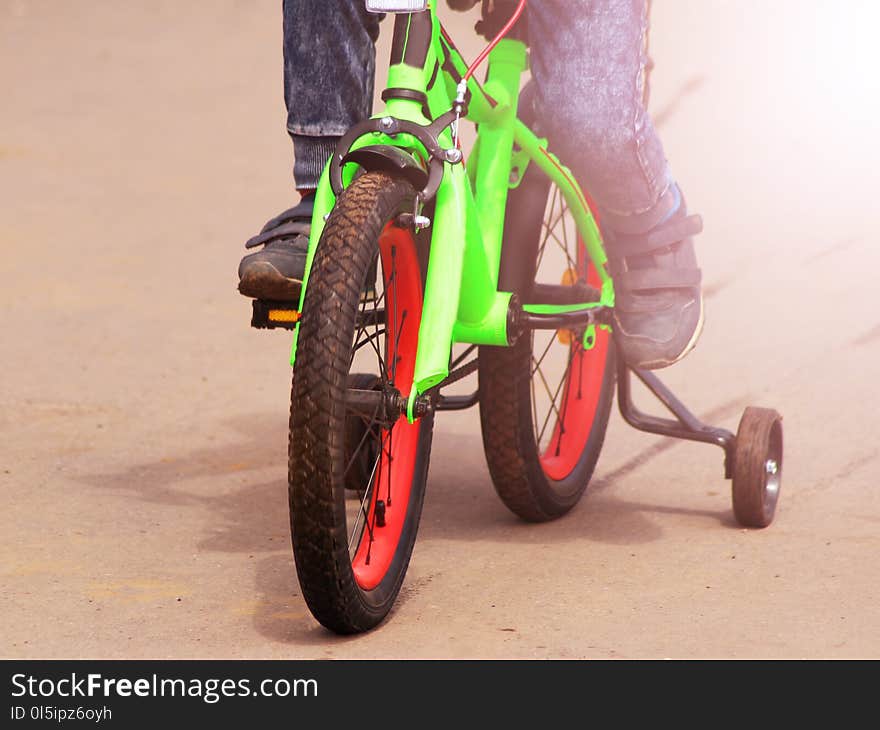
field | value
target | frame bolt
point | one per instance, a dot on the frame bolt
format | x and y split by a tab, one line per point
386	122
453	155
771	467
421	221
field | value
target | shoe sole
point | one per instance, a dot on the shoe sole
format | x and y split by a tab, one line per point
698	330
696	336
264	281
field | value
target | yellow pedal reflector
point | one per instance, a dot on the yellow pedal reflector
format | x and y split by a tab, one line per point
283	315
569	278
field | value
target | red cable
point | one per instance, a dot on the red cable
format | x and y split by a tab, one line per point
504	31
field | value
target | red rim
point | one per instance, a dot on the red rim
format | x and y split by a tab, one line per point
580	399
394	476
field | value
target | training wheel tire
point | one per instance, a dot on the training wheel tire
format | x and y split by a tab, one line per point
757	467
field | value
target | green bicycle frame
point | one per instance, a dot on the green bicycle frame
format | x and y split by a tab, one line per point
462	303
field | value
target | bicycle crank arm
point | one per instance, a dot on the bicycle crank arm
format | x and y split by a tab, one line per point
577	293
571	320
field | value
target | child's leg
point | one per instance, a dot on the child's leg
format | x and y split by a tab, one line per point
590	61
329	63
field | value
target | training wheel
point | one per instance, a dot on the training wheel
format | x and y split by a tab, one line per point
757	467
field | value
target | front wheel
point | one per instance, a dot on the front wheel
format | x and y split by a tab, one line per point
357	476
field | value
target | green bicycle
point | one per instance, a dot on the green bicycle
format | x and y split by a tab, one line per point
414	250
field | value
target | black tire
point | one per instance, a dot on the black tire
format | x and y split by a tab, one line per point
757	467
333	341
519	461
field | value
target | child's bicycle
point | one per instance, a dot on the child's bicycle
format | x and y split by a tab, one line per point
412	252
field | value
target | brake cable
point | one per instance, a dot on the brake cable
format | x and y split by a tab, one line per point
503	32
461	90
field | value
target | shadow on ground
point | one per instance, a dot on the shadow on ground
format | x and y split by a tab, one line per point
251	515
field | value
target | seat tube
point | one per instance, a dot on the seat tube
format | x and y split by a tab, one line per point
482	313
507	63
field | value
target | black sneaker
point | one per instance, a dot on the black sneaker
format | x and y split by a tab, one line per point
276	272
658	311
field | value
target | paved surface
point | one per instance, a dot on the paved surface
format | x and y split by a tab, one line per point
143	424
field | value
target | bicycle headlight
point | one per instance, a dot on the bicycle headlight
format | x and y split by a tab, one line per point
396	6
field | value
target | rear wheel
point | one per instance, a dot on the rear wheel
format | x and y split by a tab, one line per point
545	402
357	475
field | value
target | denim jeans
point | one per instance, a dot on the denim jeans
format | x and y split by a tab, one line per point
589	60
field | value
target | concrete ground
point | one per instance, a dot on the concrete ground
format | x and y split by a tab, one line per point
143	424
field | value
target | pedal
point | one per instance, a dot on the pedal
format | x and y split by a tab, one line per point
274	315
571	291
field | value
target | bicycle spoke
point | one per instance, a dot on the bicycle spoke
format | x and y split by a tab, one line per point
395	358
461	358
356	450
543	355
553	407
551	223
564	248
372	341
543	245
382	452
375	315
363	508
565	398
559	231
390	459
397	346
565	238
550	231
554	397
364	337
361	343
534	411
392	280
359	329
580	372
362	330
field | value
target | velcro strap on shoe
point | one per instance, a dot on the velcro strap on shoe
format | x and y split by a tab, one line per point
645	279
300	211
288	230
659	238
